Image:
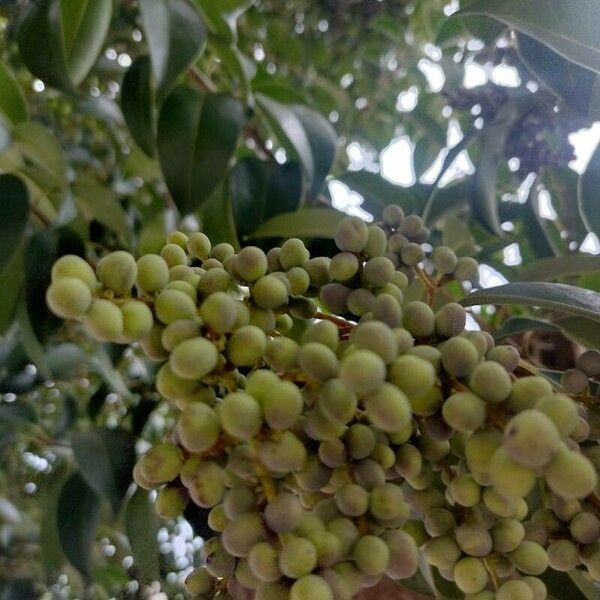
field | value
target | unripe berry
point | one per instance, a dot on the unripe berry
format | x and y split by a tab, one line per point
419	319
293	254
104	320
69	297
351	234
194	358
137	321
117	271
74	266
246	345
250	263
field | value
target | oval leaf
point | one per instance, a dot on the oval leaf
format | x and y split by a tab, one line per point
519	325
85	24
137	104
176	37
288	127
12	100
556	296
584	331
309	222
141	524
197	135
569	28
589	201
14	212
548	269
322	140
78	512
106	458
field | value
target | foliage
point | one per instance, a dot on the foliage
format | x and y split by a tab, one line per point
122	121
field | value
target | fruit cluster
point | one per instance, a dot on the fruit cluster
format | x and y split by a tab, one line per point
383	432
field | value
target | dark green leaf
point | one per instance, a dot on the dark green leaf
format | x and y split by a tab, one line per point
519	325
12	100
197	134
260	190
556	296
106	458
40	27
378	192
141	524
14	212
290	131
574	84
78	512
453	30
137	104
447	200
549	269
176	37
424	154
44	248
568	28
589	199
84	27
561	586
457	235
322	140
308	222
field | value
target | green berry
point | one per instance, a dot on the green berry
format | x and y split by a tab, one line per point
530	558
514	590
246	345
510	478
172	305
74	266
531	438
240	414
171	502
570	475
293	254
589	363
194	358
526	391
137	321
311	587
69	297
490	381
419	319
219	312
362	371
444	260
388	408
561	409
269	292
117	271
574	381
198	427
450	320
470	575
198	245
318	361
250	263
412	374
283	513
104	320
351	234
464	412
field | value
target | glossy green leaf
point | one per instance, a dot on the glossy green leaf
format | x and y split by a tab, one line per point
12	101
569	28
520	325
308	222
585	584
85	24
141	524
322	140
290	131
78	512
106	458
549	269
453	30
561	586
589	195
40	27
137	104
197	135
379	192
14	212
176	37
43	249
71	33
555	296
101	204
574	84
260	190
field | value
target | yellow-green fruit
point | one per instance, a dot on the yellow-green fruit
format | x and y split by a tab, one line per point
246	345
529	558
311	587
205	481
173	387
194	358
74	266
243	533
371	555
240	415
262	561
531	438
490	381
470	575
178	331
171	502
177	237
388	408
561	409
117	271
199	582
198	427
514	590
104	321
413	375
526	391
161	463
152	273
570	475
362	371
69	297
172	305
137	321
199	245
183	286
219	312
174	255
297	557
510	478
